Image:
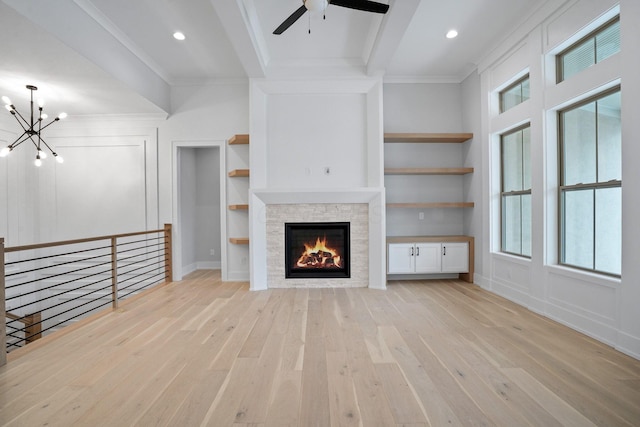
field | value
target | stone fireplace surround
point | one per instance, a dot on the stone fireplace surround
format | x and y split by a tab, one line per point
363	208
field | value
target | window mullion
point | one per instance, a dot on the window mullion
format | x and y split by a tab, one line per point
596	136
593	255
521	234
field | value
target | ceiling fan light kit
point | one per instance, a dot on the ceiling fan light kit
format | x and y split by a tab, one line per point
321	5
315	5
32	129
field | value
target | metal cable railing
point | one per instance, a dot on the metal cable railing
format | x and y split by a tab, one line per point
48	286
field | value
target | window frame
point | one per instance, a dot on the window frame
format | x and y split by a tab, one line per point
518	82
562	188
591	35
513	192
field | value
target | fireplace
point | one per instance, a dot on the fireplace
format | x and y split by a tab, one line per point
317	250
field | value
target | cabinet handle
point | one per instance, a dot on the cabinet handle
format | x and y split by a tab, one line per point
411	251
418	251
444	250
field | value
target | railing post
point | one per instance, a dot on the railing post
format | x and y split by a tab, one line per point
168	253
114	273
3	326
33	327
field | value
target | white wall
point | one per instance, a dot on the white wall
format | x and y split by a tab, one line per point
208	199
187	208
629	294
428	107
107	184
308	132
600	306
472	157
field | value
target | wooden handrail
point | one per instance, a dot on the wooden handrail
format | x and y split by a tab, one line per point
72	242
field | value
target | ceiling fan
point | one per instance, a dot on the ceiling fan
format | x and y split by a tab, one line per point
314	5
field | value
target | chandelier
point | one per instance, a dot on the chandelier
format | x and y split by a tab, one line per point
32	129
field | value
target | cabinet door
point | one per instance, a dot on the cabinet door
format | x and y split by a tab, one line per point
401	258
427	258
455	257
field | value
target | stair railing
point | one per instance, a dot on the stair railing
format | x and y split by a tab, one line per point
44	287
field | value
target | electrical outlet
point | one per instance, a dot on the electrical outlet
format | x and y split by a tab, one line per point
421	215
212	252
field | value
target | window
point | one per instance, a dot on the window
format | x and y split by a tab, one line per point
516	192
591	184
514	94
597	46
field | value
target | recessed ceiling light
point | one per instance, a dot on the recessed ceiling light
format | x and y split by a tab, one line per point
451	34
178	35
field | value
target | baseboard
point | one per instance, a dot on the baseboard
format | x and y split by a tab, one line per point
187	269
629	345
209	265
238	276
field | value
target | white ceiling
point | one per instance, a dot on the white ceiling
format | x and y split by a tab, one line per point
119	56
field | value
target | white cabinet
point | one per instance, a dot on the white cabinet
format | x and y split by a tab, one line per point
427	257
407	258
455	257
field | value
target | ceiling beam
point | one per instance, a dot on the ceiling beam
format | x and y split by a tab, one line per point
70	23
392	29
240	22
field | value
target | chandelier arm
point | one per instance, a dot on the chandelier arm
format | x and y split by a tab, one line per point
24	122
34	142
19	140
47	145
49	124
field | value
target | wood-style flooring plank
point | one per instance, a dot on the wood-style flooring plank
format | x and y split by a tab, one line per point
423	353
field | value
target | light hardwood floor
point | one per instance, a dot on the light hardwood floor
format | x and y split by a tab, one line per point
422	353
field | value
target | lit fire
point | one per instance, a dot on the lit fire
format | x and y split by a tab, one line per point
319	256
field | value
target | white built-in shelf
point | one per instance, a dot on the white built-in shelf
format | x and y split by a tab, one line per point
427	171
428	137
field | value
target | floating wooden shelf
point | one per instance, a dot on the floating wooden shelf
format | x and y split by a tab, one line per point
427	171
239	240
427	137
241	139
238	207
432	205
239	172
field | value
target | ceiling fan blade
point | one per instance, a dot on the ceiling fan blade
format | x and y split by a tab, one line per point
290	20
366	5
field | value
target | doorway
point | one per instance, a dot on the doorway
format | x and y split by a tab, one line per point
198	208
